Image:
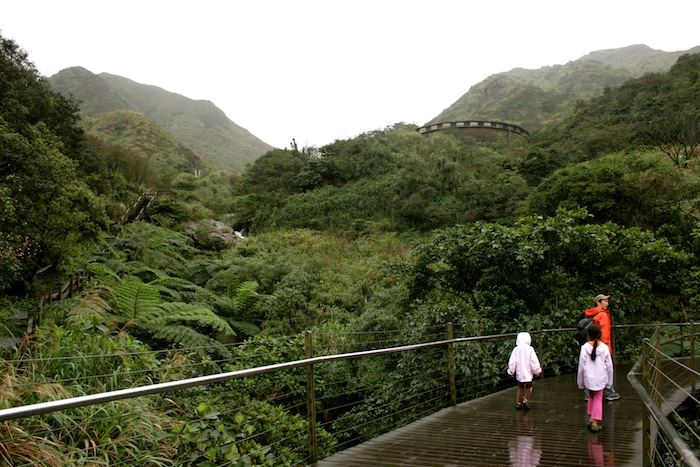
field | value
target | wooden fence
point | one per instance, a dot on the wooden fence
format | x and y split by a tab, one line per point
21	324
73	284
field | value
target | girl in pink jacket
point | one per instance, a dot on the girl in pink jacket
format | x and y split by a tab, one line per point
523	364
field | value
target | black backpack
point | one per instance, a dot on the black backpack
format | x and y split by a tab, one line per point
581	336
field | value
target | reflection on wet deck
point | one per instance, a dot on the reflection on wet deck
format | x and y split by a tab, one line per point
489	432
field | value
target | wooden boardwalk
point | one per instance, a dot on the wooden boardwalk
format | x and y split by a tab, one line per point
489	432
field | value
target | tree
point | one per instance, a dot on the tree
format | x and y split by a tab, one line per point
670	118
48	213
633	189
546	266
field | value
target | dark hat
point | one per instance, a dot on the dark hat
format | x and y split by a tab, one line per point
600	297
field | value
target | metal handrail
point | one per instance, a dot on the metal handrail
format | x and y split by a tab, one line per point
44	407
81	401
687	455
666	427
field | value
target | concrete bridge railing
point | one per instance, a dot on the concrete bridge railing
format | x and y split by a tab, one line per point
480	125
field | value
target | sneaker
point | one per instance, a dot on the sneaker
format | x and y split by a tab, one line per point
519	407
595	428
613	397
524	406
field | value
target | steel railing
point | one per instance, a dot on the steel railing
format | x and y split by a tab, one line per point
665	378
439	364
444	358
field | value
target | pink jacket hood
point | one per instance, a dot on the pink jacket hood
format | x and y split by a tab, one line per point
523	362
523	338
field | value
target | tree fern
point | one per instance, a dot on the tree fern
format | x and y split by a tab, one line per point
173	286
246	298
240	308
243	327
185	336
192	314
153	297
137	301
146	273
232	281
158	247
104	272
202	270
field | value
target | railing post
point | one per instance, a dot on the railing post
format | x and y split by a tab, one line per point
691	342
451	357
613	347
645	359
39	310
311	400
657	364
646	419
539	338
646	439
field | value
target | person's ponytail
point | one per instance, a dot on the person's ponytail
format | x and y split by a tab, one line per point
595	351
594	333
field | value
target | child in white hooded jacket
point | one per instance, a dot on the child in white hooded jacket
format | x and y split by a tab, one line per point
524	365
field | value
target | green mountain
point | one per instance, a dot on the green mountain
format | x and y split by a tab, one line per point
532	98
198	124
140	136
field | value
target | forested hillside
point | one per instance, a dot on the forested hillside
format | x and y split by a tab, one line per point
627	156
391	233
141	137
198	124
532	98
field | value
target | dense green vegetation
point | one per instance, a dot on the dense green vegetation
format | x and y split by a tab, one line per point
391	180
391	233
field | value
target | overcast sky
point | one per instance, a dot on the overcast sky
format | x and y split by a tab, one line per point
321	70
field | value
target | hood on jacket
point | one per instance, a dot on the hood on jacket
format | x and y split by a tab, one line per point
593	311
523	339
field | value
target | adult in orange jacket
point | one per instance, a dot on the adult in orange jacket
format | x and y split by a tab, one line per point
601	316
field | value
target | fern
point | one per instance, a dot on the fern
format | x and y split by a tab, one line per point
184	336
137	301
146	273
245	328
173	285
246	298
232	281
104	273
153	297
158	247
202	270
194	314
243	303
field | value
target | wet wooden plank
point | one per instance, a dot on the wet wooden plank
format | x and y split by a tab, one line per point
490	432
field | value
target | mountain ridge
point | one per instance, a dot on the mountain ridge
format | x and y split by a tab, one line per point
199	124
532	97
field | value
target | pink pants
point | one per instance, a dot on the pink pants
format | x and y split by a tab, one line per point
595	404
